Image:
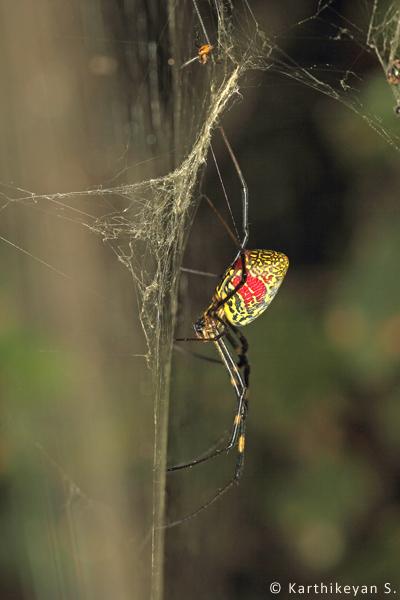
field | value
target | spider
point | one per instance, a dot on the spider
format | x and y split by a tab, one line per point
203	54
394	73
246	289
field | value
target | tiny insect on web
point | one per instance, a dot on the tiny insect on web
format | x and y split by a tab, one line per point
246	289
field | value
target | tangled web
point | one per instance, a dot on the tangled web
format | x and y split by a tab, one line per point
147	224
148	229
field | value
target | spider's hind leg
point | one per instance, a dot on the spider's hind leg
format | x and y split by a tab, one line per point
239	385
241	350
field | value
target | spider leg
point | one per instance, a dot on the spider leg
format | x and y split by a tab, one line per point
221	219
240	382
209	450
235	478
213	309
188	62
205	339
240	389
245	191
197	38
240	350
196	354
237	433
241	283
243	362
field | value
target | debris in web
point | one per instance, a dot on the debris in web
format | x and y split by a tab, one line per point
148	230
146	224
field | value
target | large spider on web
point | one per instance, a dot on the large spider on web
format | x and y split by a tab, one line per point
246	289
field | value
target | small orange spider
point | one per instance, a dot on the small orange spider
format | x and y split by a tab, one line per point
203	54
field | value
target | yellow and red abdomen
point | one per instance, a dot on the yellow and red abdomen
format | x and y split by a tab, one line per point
265	272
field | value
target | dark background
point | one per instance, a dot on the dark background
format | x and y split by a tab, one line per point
319	497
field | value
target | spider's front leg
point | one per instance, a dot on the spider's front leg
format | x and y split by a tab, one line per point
211	331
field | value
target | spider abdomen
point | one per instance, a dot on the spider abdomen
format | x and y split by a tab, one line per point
266	270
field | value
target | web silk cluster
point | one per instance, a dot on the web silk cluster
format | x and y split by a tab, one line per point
148	234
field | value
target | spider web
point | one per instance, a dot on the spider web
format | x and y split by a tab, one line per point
146	224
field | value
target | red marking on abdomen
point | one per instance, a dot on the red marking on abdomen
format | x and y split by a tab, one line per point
253	291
